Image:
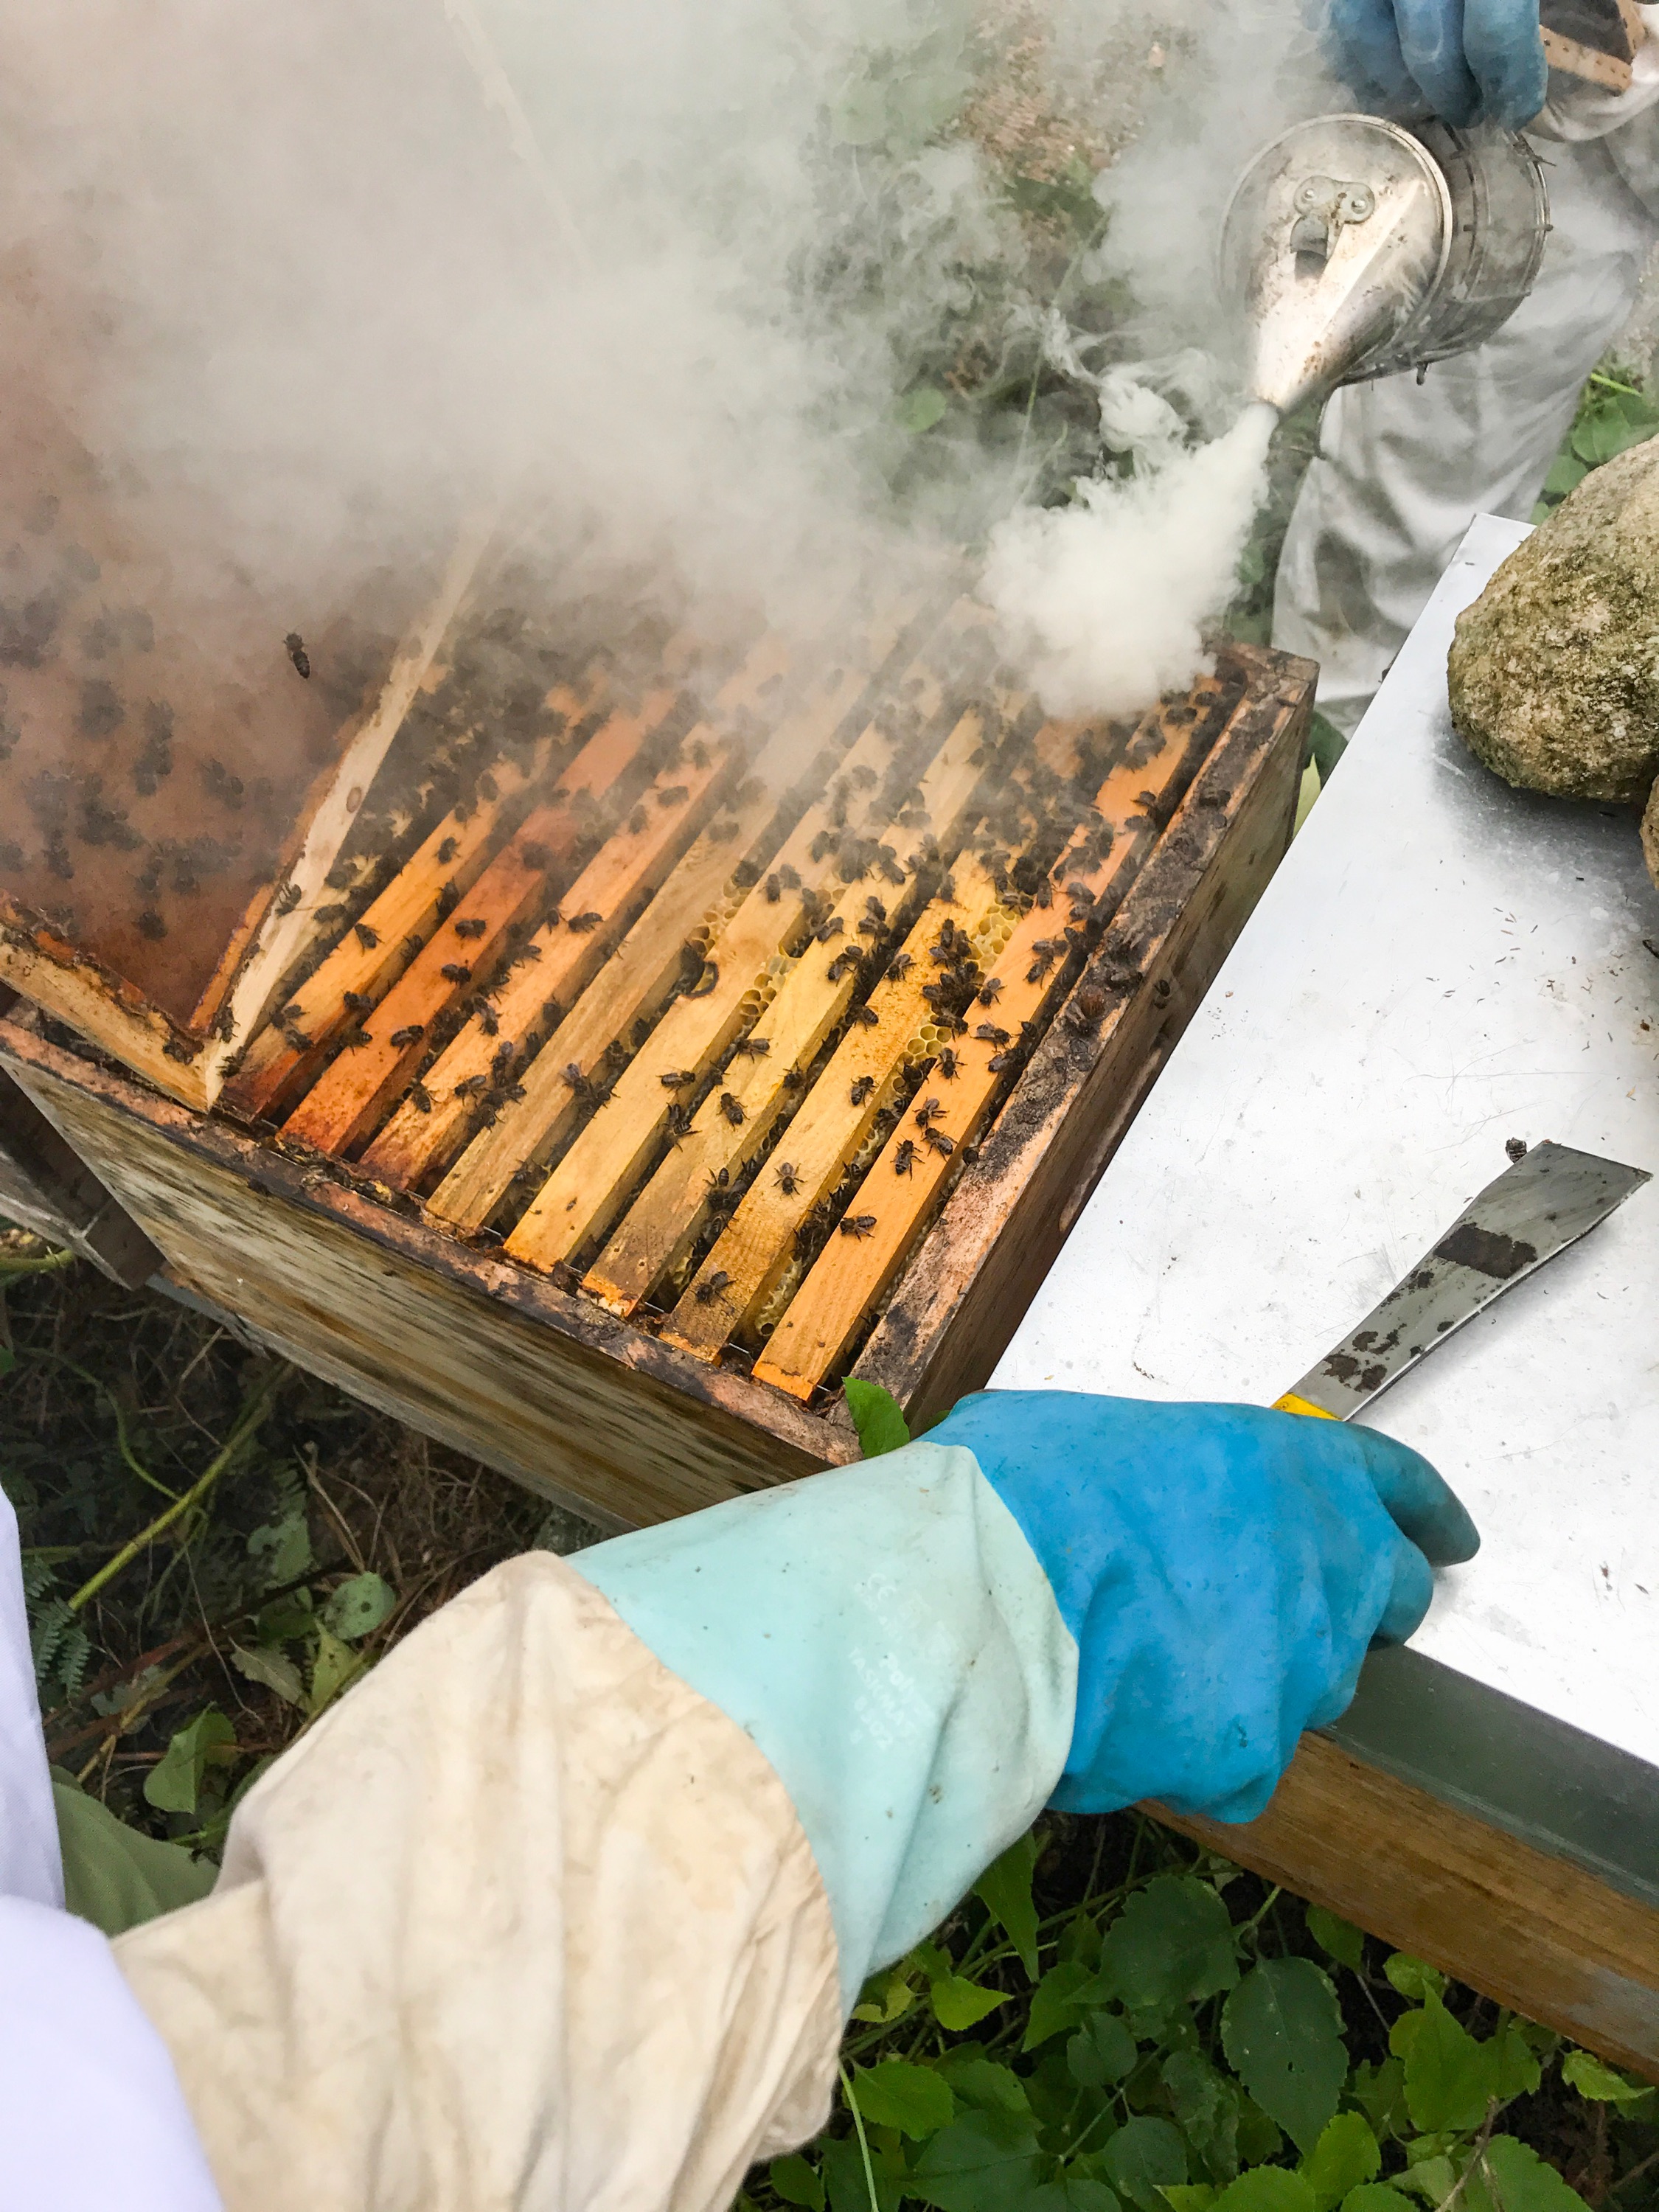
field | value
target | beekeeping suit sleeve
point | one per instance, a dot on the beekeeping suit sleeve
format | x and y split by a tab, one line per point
530	1919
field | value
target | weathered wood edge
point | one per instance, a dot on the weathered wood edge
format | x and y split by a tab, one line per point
758	1436
972	1277
1530	1930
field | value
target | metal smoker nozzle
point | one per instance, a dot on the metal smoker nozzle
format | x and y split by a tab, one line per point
1355	248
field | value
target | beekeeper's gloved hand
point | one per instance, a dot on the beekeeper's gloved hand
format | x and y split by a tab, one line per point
1222	1570
1049	1596
1466	61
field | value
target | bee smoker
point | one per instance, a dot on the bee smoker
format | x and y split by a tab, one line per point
1355	248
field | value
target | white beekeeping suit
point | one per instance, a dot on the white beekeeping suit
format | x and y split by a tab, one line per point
1402	467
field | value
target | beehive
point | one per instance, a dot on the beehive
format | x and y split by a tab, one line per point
737	1027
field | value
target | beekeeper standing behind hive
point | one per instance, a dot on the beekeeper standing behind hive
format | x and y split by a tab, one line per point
566	1904
1402	468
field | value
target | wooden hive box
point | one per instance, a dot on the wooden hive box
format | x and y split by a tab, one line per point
640	1106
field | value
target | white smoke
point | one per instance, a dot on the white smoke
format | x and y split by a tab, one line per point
1105	601
313	284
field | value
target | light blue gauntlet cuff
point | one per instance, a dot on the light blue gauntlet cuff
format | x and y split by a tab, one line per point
886	1636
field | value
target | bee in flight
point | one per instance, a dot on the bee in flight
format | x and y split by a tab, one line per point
296	652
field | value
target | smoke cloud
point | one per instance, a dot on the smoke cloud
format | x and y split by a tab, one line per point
740	310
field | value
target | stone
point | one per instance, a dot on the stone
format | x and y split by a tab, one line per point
1554	671
1651	835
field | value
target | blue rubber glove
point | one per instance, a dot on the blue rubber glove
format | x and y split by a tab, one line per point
1222	1570
1466	61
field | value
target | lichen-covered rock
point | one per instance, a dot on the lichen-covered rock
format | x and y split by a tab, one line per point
1651	835
1554	671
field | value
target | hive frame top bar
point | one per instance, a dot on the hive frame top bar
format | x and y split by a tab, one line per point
1441	964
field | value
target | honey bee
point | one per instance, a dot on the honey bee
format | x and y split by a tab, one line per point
678	1078
586	1092
582	923
712	1287
368	937
456	971
904	1159
732	1106
471	1086
927	1113
475	927
788	1180
755	1048
990	990
447	851
899	965
858	1224
150	925
286	899
357	1002
411	1033
420	1098
947	1065
673	794
990	1034
941	1144
679	1121
295	646
773	889
488	1020
862	1086
866	1017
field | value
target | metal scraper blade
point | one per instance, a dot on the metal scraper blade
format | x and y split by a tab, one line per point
1545	1201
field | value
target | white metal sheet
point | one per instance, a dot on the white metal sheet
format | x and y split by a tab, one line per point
1440	964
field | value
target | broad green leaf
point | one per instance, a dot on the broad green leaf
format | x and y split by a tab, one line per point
1005	1890
1282	2032
358	1607
336	1665
1346	2155
886	1997
1193	2196
1075	2193
1524	2183
1413	1977
1450	2079
286	1618
912	2099
960	2004
1380	2093
920	410
844	2176
266	1664
174	1784
881	1425
1338	1939
1260	2139
1518	2071
1581	2071
1055	2003
115	1877
1206	2108
1566	473
1431	2179
282	1550
1266	2189
1102	2051
982	2162
982	2082
1375	2196
1143	2158
1173	1941
793	2180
